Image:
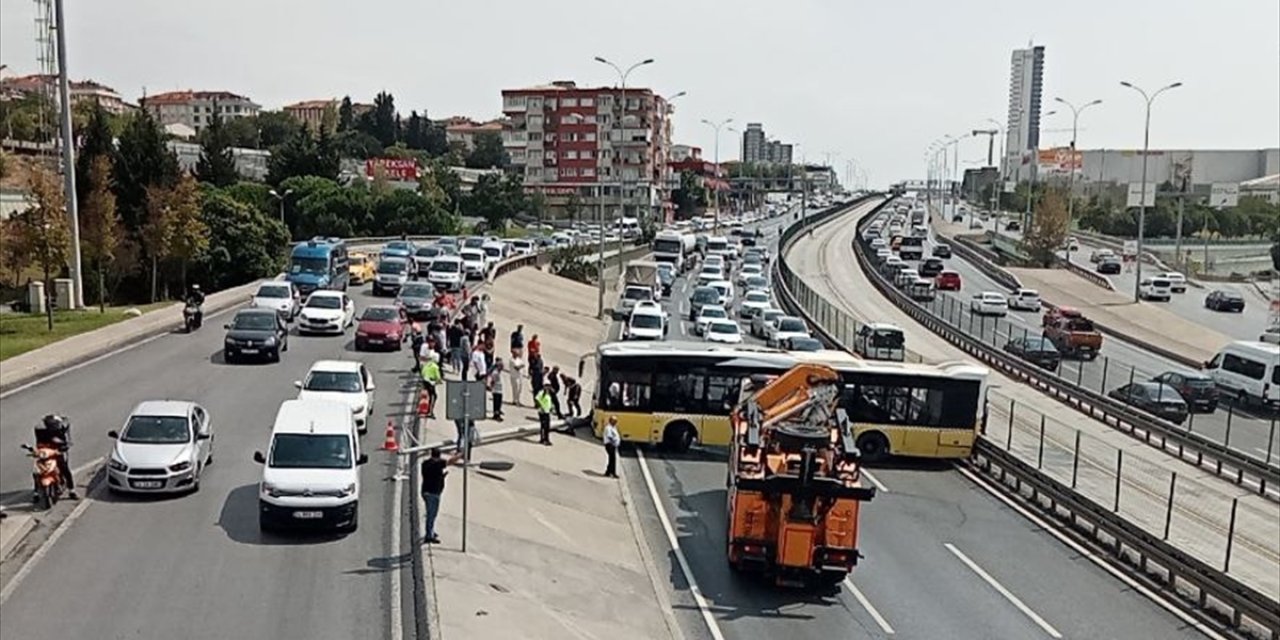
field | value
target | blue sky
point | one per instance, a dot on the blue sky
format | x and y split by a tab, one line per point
875	81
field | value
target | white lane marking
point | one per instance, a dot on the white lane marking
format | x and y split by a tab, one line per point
879	485
80	365
44	548
394	610
1094	558
712	626
866	604
1008	595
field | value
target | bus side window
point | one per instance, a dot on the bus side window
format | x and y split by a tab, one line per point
722	393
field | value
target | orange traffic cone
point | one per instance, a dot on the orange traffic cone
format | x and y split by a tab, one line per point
424	406
390	444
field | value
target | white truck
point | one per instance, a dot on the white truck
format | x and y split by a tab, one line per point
674	247
640	283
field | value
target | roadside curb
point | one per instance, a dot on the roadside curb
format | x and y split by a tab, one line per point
26	522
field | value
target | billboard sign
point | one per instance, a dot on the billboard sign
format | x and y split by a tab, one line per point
1224	194
1136	198
402	169
1059	160
1010	186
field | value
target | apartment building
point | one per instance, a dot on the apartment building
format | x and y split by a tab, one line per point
755	145
1026	84
461	131
196	109
81	91
312	112
586	142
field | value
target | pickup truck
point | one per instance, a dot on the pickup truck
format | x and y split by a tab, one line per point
1072	334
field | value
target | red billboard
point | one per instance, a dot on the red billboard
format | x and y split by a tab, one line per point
405	169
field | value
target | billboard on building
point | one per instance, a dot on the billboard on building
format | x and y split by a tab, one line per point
1137	197
404	169
1059	160
1224	194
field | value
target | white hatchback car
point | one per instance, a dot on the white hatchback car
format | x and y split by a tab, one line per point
725	331
1025	300
754	302
162	448
343	381
278	295
708	314
989	303
327	312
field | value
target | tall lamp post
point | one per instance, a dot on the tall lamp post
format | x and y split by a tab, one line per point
715	194
578	117
1071	178
1142	200
281	197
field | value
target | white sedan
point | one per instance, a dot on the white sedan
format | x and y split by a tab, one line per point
725	331
754	302
344	381
163	448
1025	300
709	314
989	303
327	312
784	328
747	271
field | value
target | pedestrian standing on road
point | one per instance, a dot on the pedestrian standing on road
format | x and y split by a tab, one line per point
466	435
479	364
434	469
431	378
495	387
543	401
536	375
535	348
416	342
464	355
517	372
573	394
454	337
612	440
553	385
490	336
517	343
442	337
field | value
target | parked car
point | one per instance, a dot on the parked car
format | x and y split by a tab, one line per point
163	447
1109	265
754	302
1025	300
474	263
392	274
948	281
905	276
1248	373
345	381
786	327
647	322
381	326
1196	388
1221	300
701	297
423	256
415	299
1037	350
989	303
255	333
1160	400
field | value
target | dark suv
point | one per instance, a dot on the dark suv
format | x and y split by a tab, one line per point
1160	400
1197	389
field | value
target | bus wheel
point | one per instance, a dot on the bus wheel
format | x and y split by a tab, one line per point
679	436
874	446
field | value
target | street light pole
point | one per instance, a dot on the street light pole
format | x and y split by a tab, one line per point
68	156
715	193
1071	178
1142	199
281	198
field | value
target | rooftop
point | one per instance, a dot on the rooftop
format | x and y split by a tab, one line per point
312	104
183	97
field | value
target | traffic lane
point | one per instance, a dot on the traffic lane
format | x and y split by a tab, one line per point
691	488
209	541
924	590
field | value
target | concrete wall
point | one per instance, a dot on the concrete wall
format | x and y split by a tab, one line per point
1205	166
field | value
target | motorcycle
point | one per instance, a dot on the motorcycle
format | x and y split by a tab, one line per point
49	485
192	316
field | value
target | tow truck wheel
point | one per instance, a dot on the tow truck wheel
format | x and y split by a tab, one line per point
873	446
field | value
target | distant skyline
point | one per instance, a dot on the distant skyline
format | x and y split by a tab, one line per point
876	82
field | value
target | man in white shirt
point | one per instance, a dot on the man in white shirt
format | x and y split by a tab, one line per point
478	363
612	439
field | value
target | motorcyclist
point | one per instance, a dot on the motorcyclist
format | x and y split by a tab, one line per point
195	298
55	431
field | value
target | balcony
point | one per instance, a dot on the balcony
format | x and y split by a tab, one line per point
515	139
514	105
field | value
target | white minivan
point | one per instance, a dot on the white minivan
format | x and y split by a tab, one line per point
446	272
1157	289
311	471
1248	372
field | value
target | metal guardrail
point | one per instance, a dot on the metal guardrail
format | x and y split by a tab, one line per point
1221	598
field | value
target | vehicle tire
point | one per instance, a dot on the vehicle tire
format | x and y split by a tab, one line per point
873	446
44	499
679	436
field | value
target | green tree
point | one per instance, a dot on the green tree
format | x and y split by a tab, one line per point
157	231
190	235
217	164
357	144
141	160
100	222
242	132
1049	228
691	196
488	153
415	132
244	243
383	120
96	140
346	115
302	156
573	207
276	128
43	229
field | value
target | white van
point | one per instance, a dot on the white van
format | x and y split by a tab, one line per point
1156	289
495	251
1248	372
446	272
311	471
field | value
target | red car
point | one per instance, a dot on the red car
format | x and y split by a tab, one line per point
948	281
382	326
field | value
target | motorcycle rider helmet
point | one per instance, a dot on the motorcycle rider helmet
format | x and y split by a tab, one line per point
195	287
55	422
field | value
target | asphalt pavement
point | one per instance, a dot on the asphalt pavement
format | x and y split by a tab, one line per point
196	566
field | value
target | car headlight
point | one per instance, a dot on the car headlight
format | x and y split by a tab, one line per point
117	465
269	341
180	466
268	489
362	334
348	490
357	409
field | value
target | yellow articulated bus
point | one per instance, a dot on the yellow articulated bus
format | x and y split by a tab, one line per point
681	393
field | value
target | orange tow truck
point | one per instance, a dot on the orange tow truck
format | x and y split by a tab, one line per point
795	481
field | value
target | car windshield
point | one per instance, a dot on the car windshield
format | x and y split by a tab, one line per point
427	252
757	296
318	266
805	344
1231	295
254	322
727	328
391	266
416	290
444	266
274	291
397	245
473	242
343	381
309	451
771	315
156	430
1275	375
714	312
493	252
646	321
324	302
473	256
381	314
1040	345
357	261
791	324
887	339
1169	395
705	294
757	282
1200	383
637	293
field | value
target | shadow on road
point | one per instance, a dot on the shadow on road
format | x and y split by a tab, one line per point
239	519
